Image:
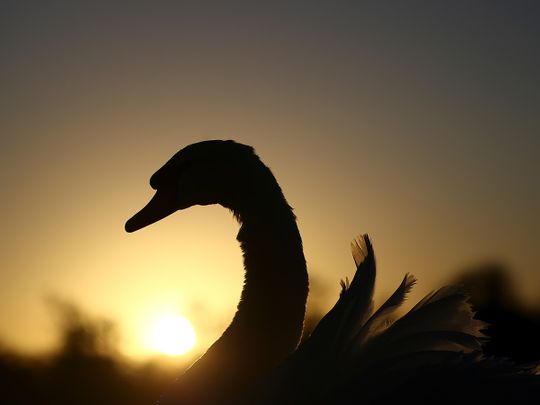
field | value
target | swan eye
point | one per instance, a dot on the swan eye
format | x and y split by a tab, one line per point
168	175
185	166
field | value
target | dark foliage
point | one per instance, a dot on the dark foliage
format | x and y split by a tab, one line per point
85	370
514	331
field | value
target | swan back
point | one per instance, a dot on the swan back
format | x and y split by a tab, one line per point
357	355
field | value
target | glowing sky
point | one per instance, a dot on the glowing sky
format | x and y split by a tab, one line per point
416	122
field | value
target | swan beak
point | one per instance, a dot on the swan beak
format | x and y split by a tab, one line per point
162	204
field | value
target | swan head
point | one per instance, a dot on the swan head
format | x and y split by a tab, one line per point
204	173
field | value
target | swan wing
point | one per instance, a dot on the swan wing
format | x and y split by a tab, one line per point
357	356
354	307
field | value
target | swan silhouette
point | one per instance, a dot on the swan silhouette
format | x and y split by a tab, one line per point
356	354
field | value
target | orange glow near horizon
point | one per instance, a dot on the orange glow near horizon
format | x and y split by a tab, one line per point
373	120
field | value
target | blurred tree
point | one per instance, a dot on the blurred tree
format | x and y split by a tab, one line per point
514	331
86	368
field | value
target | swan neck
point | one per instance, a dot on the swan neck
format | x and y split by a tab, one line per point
269	319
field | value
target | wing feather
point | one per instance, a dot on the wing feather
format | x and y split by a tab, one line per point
355	353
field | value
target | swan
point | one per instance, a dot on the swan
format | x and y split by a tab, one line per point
356	354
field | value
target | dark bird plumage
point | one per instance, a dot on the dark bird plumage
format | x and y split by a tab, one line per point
355	355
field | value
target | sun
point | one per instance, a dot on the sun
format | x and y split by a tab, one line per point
172	335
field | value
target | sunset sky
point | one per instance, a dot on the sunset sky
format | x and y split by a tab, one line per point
415	122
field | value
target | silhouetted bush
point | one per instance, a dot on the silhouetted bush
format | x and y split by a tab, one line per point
514	331
86	369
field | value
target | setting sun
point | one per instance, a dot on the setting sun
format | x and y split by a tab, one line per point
172	335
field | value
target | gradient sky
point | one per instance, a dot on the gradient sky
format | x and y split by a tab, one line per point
416	122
